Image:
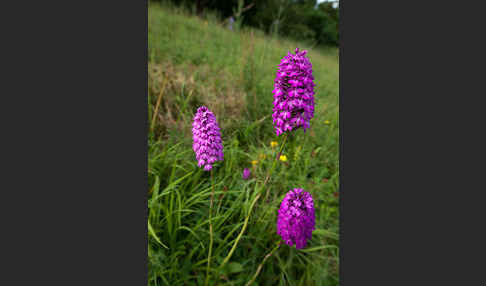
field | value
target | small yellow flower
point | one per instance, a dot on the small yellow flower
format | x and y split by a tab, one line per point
262	156
273	144
254	162
327	122
283	158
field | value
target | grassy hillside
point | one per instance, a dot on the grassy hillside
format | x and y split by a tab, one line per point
193	62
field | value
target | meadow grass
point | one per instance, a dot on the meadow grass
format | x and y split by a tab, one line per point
197	61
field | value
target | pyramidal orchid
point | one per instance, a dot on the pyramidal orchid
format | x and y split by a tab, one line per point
296	218
207	142
293	93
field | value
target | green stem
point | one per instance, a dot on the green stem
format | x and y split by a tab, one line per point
210	229
274	164
241	232
252	204
261	265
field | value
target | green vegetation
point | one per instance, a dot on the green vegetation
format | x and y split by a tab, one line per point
301	20
194	61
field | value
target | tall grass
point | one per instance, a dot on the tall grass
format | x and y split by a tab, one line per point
194	61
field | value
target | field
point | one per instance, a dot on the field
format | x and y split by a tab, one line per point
198	61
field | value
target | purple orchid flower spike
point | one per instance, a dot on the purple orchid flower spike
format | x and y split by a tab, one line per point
207	138
293	93
296	218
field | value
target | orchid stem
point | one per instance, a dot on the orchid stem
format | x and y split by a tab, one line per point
274	164
210	230
241	232
261	265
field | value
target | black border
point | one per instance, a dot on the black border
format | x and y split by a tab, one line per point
77	165
404	83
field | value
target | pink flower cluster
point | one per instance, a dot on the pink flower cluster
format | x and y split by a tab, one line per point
207	138
293	93
296	218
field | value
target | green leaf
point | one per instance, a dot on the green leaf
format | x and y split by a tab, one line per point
152	232
325	233
318	248
235	267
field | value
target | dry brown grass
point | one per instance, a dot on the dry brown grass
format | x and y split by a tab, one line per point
177	91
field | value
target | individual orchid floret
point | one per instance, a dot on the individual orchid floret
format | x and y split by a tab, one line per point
246	174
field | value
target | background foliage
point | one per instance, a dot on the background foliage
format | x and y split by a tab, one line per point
301	20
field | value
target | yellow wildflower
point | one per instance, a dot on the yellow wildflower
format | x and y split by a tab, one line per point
273	144
283	158
327	122
254	162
